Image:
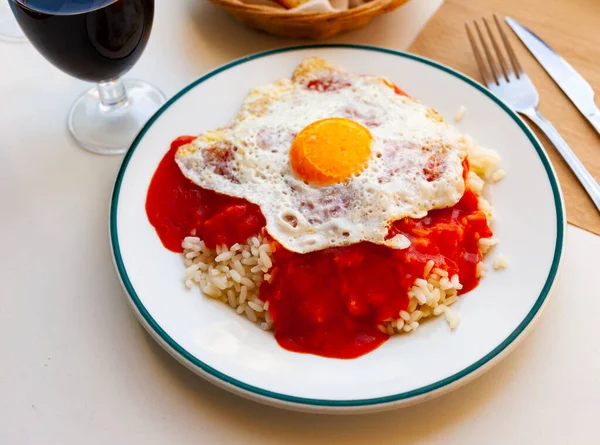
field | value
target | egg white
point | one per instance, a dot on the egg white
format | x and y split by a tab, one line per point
250	159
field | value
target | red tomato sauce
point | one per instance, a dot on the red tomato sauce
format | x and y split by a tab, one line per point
329	302
328	84
177	208
399	91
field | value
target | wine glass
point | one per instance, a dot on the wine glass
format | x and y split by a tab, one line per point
96	41
9	28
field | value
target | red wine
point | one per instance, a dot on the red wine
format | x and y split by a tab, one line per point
92	40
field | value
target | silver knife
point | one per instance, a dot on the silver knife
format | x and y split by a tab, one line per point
570	81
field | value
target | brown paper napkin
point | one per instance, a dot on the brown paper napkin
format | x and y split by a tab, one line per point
572	29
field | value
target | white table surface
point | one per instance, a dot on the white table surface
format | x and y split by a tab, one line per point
77	368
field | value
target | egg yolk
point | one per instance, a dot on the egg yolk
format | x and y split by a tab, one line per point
330	151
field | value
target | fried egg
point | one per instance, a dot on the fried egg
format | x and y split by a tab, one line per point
332	158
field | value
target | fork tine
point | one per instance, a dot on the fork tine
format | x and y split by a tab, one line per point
501	60
485	75
511	54
488	54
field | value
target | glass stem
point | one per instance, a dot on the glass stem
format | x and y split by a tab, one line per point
113	95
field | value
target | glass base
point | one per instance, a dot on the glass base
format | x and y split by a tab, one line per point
9	28
110	130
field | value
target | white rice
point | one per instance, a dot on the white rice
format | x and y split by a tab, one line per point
475	183
231	275
460	114
500	262
234	275
483	161
481	270
497	175
485	244
430	296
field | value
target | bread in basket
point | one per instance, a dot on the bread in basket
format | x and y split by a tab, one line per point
308	25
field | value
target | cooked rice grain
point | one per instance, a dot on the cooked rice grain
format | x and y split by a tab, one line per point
460	114
234	274
500	262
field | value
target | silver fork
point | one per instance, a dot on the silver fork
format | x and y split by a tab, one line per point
511	84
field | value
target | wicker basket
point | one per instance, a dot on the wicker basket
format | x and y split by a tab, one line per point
306	25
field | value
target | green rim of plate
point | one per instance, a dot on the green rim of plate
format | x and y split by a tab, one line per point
560	218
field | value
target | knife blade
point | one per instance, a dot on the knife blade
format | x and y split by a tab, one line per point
577	89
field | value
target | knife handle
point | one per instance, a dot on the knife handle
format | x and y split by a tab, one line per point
587	180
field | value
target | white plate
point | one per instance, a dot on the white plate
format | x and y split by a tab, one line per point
210	339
